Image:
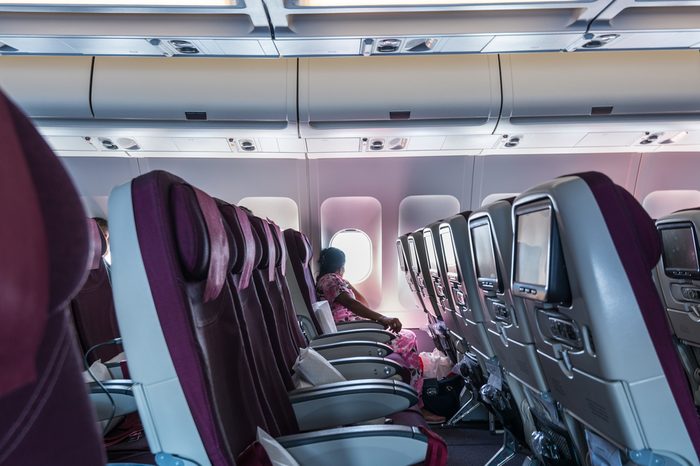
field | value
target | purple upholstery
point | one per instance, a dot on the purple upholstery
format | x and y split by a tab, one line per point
45	416
98	245
638	244
272	305
203	338
271	371
94	317
300	254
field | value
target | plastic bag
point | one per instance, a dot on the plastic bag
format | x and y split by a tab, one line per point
315	369
435	365
324	316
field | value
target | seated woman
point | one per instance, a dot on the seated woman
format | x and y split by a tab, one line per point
348	304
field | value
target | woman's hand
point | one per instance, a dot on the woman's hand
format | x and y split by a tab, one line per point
392	324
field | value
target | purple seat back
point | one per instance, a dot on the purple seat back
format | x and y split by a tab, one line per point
274	378
271	299
300	255
188	253
92	308
45	416
280	277
639	246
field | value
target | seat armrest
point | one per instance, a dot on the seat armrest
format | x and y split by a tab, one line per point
350	446
381	336
350	349
350	402
366	367
120	391
359	324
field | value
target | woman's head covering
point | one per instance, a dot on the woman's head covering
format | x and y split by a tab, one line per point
330	261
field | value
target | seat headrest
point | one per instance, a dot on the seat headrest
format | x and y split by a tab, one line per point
280	246
298	242
268	253
98	244
612	200
50	208
203	242
243	241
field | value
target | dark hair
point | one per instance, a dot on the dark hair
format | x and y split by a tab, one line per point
330	261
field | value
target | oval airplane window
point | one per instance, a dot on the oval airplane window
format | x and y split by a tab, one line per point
357	247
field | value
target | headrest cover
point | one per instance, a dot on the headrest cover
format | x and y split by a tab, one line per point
218	246
96	245
248	237
282	256
201	238
24	274
272	252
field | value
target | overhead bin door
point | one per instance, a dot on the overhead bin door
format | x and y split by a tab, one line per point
48	86
600	85
257	91
455	94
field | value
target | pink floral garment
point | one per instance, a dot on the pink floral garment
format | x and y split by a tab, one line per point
329	288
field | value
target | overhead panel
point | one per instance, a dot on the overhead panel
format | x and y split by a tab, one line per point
254	95
398	96
600	99
388	27
135	28
48	87
645	24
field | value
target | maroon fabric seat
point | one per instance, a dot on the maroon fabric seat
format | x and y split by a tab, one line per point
92	308
187	264
639	246
300	255
41	388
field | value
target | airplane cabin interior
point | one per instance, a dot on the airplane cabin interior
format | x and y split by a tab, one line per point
349	232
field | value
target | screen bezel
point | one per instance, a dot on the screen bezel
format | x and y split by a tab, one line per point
413	252
429	242
444	232
485	283
403	265
675	272
557	289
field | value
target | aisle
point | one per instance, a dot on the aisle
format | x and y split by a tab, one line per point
472	446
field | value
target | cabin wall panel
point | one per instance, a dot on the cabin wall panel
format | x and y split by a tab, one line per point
669	171
389	180
516	173
96	176
235	179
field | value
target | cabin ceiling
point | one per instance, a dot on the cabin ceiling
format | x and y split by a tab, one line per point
303	28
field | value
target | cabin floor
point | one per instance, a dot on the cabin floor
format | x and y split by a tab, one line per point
471	444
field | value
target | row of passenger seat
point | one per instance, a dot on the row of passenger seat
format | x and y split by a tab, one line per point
208	326
548	303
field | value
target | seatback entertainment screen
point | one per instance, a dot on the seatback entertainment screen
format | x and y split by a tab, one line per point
449	251
484	256
532	247
680	252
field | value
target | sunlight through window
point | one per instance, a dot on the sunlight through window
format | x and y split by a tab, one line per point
358	253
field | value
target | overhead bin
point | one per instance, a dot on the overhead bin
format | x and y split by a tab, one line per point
388	27
645	24
254	94
398	96
48	87
141	28
613	92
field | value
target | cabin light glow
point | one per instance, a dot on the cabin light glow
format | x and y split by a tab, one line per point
164	3
384	3
357	247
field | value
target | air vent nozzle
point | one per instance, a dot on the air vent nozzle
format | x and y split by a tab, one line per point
388	45
376	144
246	145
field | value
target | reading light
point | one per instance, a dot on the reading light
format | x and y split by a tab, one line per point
164	3
380	3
